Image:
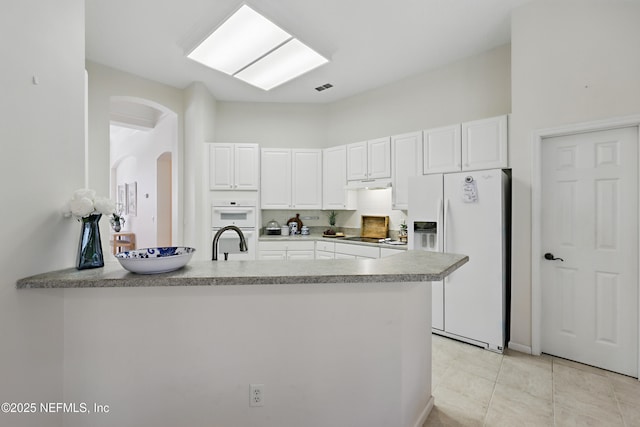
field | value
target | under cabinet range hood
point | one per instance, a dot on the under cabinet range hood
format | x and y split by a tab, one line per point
369	184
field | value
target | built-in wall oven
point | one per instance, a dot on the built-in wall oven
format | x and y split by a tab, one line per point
242	214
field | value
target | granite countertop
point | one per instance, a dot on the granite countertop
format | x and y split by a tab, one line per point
409	266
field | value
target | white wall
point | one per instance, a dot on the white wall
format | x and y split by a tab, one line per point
469	89
272	125
572	61
105	83
134	155
42	163
339	355
200	120
473	88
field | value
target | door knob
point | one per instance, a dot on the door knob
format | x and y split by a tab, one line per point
550	257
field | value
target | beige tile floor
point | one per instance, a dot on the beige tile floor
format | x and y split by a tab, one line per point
476	387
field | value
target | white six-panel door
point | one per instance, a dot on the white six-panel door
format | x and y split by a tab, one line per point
590	221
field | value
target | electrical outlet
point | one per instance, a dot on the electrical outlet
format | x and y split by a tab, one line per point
256	394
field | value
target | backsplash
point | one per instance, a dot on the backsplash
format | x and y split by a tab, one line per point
370	202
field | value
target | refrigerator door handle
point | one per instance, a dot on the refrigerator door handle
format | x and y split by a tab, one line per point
445	221
440	227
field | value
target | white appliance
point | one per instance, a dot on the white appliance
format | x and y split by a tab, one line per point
242	214
466	213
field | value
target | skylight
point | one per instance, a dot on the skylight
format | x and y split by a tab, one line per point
253	49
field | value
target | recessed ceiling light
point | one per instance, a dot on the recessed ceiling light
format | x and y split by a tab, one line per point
283	64
250	47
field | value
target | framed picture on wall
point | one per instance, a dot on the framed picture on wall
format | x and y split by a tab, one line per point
132	198
121	200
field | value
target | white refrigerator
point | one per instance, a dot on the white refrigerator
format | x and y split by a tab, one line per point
466	213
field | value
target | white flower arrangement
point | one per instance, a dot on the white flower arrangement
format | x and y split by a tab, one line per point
84	203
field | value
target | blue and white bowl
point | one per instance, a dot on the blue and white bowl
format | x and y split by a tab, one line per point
155	260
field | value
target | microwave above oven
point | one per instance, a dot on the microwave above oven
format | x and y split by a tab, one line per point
240	214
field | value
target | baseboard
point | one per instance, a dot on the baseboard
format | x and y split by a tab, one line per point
425	413
519	347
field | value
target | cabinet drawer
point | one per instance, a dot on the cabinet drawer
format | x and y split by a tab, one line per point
295	255
325	246
272	246
272	255
358	250
301	246
287	245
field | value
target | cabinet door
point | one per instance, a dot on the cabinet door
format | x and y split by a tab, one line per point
484	144
247	166
379	158
360	251
334	180
221	166
307	179
324	255
407	158
275	178
325	246
357	161
442	150
344	256
298	255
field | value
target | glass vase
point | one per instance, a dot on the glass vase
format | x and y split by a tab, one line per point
90	247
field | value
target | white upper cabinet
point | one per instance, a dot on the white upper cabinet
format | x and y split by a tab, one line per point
291	178
246	166
357	161
334	180
379	158
369	160
233	166
484	144
307	179
480	144
442	150
407	161
275	178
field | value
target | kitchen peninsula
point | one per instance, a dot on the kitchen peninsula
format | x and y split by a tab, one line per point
340	343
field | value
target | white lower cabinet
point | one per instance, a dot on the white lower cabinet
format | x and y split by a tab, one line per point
320	249
349	251
325	250
286	250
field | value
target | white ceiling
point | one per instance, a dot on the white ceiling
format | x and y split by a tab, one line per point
369	42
